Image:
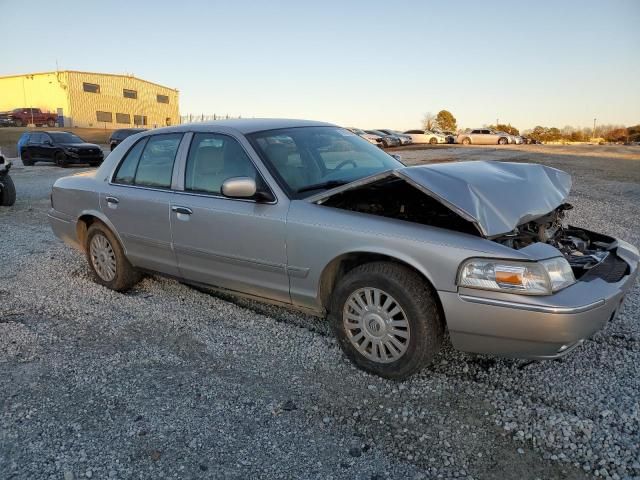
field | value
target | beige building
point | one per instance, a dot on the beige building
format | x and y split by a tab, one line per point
87	99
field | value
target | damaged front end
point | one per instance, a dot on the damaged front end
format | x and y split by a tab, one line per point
516	205
588	253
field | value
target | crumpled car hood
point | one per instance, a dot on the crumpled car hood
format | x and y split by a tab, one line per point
495	196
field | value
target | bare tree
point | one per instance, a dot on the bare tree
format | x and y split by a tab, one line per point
429	121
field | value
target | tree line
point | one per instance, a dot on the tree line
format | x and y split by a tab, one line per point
446	122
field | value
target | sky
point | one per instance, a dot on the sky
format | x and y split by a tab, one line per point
368	64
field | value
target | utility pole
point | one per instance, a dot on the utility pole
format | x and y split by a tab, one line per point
594	128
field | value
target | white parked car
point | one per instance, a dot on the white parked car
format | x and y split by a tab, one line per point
426	136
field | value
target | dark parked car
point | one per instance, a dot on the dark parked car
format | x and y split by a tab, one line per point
62	148
7	188
387	140
119	135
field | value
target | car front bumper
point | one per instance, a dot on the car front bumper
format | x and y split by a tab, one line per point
539	327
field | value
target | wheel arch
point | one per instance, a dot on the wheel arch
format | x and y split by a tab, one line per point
345	262
88	218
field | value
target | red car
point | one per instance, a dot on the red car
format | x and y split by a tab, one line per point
20	117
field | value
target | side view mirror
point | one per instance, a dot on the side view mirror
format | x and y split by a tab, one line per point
239	187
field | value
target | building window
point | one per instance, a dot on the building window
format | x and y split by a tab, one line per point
163	98
123	118
91	87
129	93
104	117
140	119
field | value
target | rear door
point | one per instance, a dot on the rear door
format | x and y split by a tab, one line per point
236	244
138	202
33	146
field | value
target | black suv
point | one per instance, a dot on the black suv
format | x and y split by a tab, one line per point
119	135
62	148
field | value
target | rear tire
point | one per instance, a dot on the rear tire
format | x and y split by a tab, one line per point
394	345
502	141
19	123
107	260
466	141
433	141
51	123
60	159
27	161
8	194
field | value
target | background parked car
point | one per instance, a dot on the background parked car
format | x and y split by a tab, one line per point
404	139
425	136
369	137
119	135
62	148
20	117
450	137
387	140
483	136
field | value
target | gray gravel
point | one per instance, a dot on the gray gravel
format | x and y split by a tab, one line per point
168	381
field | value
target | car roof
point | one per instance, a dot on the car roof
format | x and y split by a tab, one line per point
243	125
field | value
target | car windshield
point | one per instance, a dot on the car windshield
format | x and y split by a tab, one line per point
65	137
307	160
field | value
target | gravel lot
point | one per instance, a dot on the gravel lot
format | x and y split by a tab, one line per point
168	381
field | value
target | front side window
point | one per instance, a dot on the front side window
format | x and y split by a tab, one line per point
150	162
91	87
212	159
308	160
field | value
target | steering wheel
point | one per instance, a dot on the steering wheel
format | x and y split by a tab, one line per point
346	162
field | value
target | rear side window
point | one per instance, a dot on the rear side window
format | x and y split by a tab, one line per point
150	162
127	170
212	159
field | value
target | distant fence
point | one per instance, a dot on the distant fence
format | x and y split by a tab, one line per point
202	117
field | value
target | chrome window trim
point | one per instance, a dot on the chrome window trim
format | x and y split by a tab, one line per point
530	307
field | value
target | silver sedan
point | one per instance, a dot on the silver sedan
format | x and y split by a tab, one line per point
311	216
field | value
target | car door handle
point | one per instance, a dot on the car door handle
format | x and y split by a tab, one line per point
112	200
182	210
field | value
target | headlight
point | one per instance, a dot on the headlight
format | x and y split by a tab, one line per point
528	278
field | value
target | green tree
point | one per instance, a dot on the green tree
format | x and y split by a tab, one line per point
446	122
501	127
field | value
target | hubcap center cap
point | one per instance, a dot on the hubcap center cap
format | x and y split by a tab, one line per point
375	324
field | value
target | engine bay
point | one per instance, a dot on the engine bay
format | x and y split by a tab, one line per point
395	198
583	249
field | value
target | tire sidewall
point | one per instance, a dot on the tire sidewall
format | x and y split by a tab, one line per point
61	159
8	193
418	327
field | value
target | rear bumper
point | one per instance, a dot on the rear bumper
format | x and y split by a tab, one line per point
534	327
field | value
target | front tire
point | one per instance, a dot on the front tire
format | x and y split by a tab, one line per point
433	141
27	161
466	141
19	123
107	260
386	319
60	159
51	123
8	193
502	141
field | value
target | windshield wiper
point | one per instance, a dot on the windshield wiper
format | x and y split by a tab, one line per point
323	185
